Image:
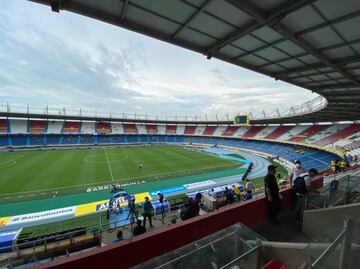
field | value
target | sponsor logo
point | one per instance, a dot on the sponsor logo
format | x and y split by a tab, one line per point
111	186
168	191
201	184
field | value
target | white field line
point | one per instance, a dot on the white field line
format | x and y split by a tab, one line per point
117	180
11	160
107	159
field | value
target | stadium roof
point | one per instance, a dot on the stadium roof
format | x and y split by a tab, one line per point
311	44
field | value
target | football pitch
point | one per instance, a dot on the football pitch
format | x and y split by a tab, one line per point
50	170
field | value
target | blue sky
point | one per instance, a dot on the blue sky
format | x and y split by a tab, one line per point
70	60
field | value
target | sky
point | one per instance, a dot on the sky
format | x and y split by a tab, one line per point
64	59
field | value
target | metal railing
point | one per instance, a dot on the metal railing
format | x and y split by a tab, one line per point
307	107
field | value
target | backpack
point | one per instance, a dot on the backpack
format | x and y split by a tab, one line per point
185	212
299	185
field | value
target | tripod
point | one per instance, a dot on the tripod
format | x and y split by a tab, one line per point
133	215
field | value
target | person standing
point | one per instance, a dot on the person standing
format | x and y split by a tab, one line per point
249	188
272	194
148	209
237	192
294	174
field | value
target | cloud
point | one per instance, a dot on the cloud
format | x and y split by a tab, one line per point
80	62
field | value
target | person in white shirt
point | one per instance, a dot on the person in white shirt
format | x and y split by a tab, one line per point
296	172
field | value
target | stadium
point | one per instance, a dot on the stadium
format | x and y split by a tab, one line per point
71	179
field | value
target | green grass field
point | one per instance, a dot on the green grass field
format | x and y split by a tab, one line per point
41	171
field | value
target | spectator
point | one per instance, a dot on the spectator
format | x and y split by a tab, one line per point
337	166
119	237
148	210
272	194
191	208
161	197
213	194
295	173
249	188
302	186
229	196
237	192
343	165
139	229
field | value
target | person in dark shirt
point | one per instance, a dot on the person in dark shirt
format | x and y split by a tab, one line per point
139	229
272	194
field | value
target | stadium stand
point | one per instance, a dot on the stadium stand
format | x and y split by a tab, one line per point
18	126
37	127
87	127
278	132
190	129
220	130
103	127
71	127
230	130
296	130
180	129
151	128
199	130
55	127
4	126
346	132
309	132
141	128
171	129
130	128
253	130
264	132
209	130
161	129
117	128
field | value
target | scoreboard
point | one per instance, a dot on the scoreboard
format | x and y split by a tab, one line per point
241	119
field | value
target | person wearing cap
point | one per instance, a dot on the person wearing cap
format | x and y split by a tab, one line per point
272	194
294	174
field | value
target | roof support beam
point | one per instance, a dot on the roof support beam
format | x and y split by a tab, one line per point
123	11
270	17
193	16
334	86
337	63
253	10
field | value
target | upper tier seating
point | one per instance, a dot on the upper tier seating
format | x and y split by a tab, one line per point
130	128
18	126
220	130
230	130
103	128
87	127
161	129
278	132
293	132
343	133
190	129
180	129
55	127
3	126
37	127
209	130
199	130
264	132
141	128
332	129
309	132
72	127
151	128
171	129
253	131
117	128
